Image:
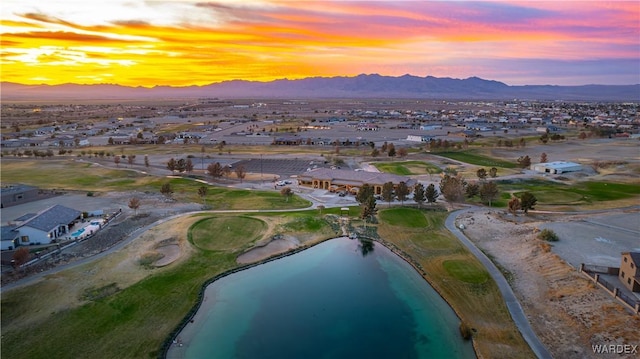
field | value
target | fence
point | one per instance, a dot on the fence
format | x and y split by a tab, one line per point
599	269
629	300
606	284
594	273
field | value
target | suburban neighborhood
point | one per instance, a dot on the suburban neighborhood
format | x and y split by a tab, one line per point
546	183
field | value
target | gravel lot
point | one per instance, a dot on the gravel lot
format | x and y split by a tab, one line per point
282	167
596	240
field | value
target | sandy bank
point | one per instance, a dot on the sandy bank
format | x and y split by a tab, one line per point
272	248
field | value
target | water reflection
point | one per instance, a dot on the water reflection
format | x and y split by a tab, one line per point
324	302
366	246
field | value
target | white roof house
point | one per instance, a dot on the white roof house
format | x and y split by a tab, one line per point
418	138
557	167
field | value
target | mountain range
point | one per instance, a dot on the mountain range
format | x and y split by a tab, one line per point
361	86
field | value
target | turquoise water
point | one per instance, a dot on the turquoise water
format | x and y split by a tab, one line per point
78	232
330	301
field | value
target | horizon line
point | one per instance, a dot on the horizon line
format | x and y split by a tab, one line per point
306	78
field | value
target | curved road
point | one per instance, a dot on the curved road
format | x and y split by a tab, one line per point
517	314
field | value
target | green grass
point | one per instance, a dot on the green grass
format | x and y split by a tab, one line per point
477	159
64	174
460	278
239	233
469	272
607	191
131	323
551	194
405	168
306	224
99	293
582	193
406	217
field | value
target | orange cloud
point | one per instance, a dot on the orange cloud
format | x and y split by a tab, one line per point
182	43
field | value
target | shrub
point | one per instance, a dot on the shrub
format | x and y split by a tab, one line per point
548	235
465	331
546	247
99	293
147	259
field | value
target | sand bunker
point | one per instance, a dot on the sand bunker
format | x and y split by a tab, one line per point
275	246
169	254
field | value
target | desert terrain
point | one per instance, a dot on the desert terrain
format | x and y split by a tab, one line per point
568	311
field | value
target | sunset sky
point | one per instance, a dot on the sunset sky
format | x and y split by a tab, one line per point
186	42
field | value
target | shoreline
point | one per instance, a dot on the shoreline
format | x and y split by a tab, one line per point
189	318
172	347
174	342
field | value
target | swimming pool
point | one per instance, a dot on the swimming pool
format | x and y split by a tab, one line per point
77	233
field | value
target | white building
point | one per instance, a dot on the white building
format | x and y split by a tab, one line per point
9	238
430	127
418	138
557	167
48	225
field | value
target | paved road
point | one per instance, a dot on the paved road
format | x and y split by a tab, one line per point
510	299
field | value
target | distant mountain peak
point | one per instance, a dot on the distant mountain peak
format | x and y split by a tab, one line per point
360	86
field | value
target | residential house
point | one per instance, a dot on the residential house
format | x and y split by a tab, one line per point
44	131
290	141
13	143
430	127
120	140
322	141
9	238
405	126
367	127
547	129
629	273
48	225
419	138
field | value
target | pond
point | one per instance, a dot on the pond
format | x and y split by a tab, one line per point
337	299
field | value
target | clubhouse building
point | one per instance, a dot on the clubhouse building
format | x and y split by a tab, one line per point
348	180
